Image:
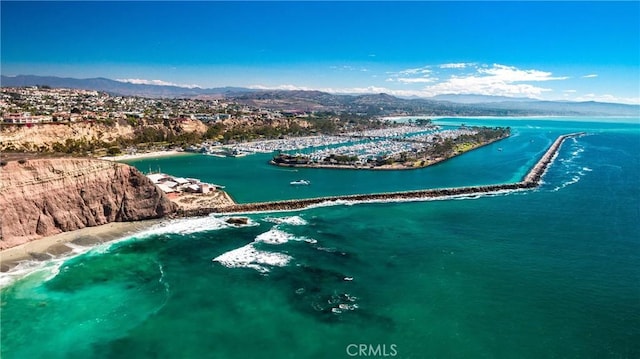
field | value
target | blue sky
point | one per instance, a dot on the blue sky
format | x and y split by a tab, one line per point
547	50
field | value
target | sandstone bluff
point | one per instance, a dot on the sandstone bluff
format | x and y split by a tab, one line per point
42	197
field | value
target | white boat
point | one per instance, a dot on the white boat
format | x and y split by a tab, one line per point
300	183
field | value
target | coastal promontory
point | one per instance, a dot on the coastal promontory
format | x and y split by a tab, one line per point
42	197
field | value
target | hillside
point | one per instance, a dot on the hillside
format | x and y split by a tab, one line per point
372	104
60	137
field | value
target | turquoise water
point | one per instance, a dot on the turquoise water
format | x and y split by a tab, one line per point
551	272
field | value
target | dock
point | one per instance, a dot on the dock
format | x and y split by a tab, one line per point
531	180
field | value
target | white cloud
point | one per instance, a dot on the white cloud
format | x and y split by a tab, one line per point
470	78
474	78
415	71
348	68
286	87
415	80
590	76
345	90
513	74
155	82
458	65
609	98
496	80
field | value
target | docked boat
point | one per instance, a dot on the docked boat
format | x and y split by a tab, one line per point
300	183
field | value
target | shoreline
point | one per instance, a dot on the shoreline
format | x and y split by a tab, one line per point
137	156
55	246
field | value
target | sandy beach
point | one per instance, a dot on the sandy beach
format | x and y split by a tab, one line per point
54	246
143	155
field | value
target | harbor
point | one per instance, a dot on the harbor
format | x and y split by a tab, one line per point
397	150
531	180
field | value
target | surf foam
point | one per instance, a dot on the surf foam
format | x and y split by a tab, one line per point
250	257
292	220
193	225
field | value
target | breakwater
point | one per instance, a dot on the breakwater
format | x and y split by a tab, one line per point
530	180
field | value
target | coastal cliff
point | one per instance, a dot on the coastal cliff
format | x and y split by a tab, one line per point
42	197
60	137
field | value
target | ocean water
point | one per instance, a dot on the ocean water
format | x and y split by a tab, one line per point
551	272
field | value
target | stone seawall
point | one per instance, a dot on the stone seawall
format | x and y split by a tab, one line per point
530	180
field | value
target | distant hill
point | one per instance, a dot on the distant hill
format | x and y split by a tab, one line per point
113	86
471	98
372	104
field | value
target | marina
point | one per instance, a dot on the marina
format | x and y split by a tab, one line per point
396	150
367	143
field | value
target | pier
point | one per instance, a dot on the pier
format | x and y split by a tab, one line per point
530	180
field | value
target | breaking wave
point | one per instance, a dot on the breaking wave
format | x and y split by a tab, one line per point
292	220
572	170
250	257
49	268
193	225
274	236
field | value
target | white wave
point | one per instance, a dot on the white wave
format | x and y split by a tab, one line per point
573	180
573	171
76	248
330	203
275	236
193	225
250	257
180	226
49	269
577	152
292	220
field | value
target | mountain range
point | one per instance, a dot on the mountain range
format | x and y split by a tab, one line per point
449	104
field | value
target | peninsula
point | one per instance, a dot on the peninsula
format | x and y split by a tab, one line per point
398	152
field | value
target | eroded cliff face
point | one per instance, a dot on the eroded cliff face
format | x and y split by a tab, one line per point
44	137
47	196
